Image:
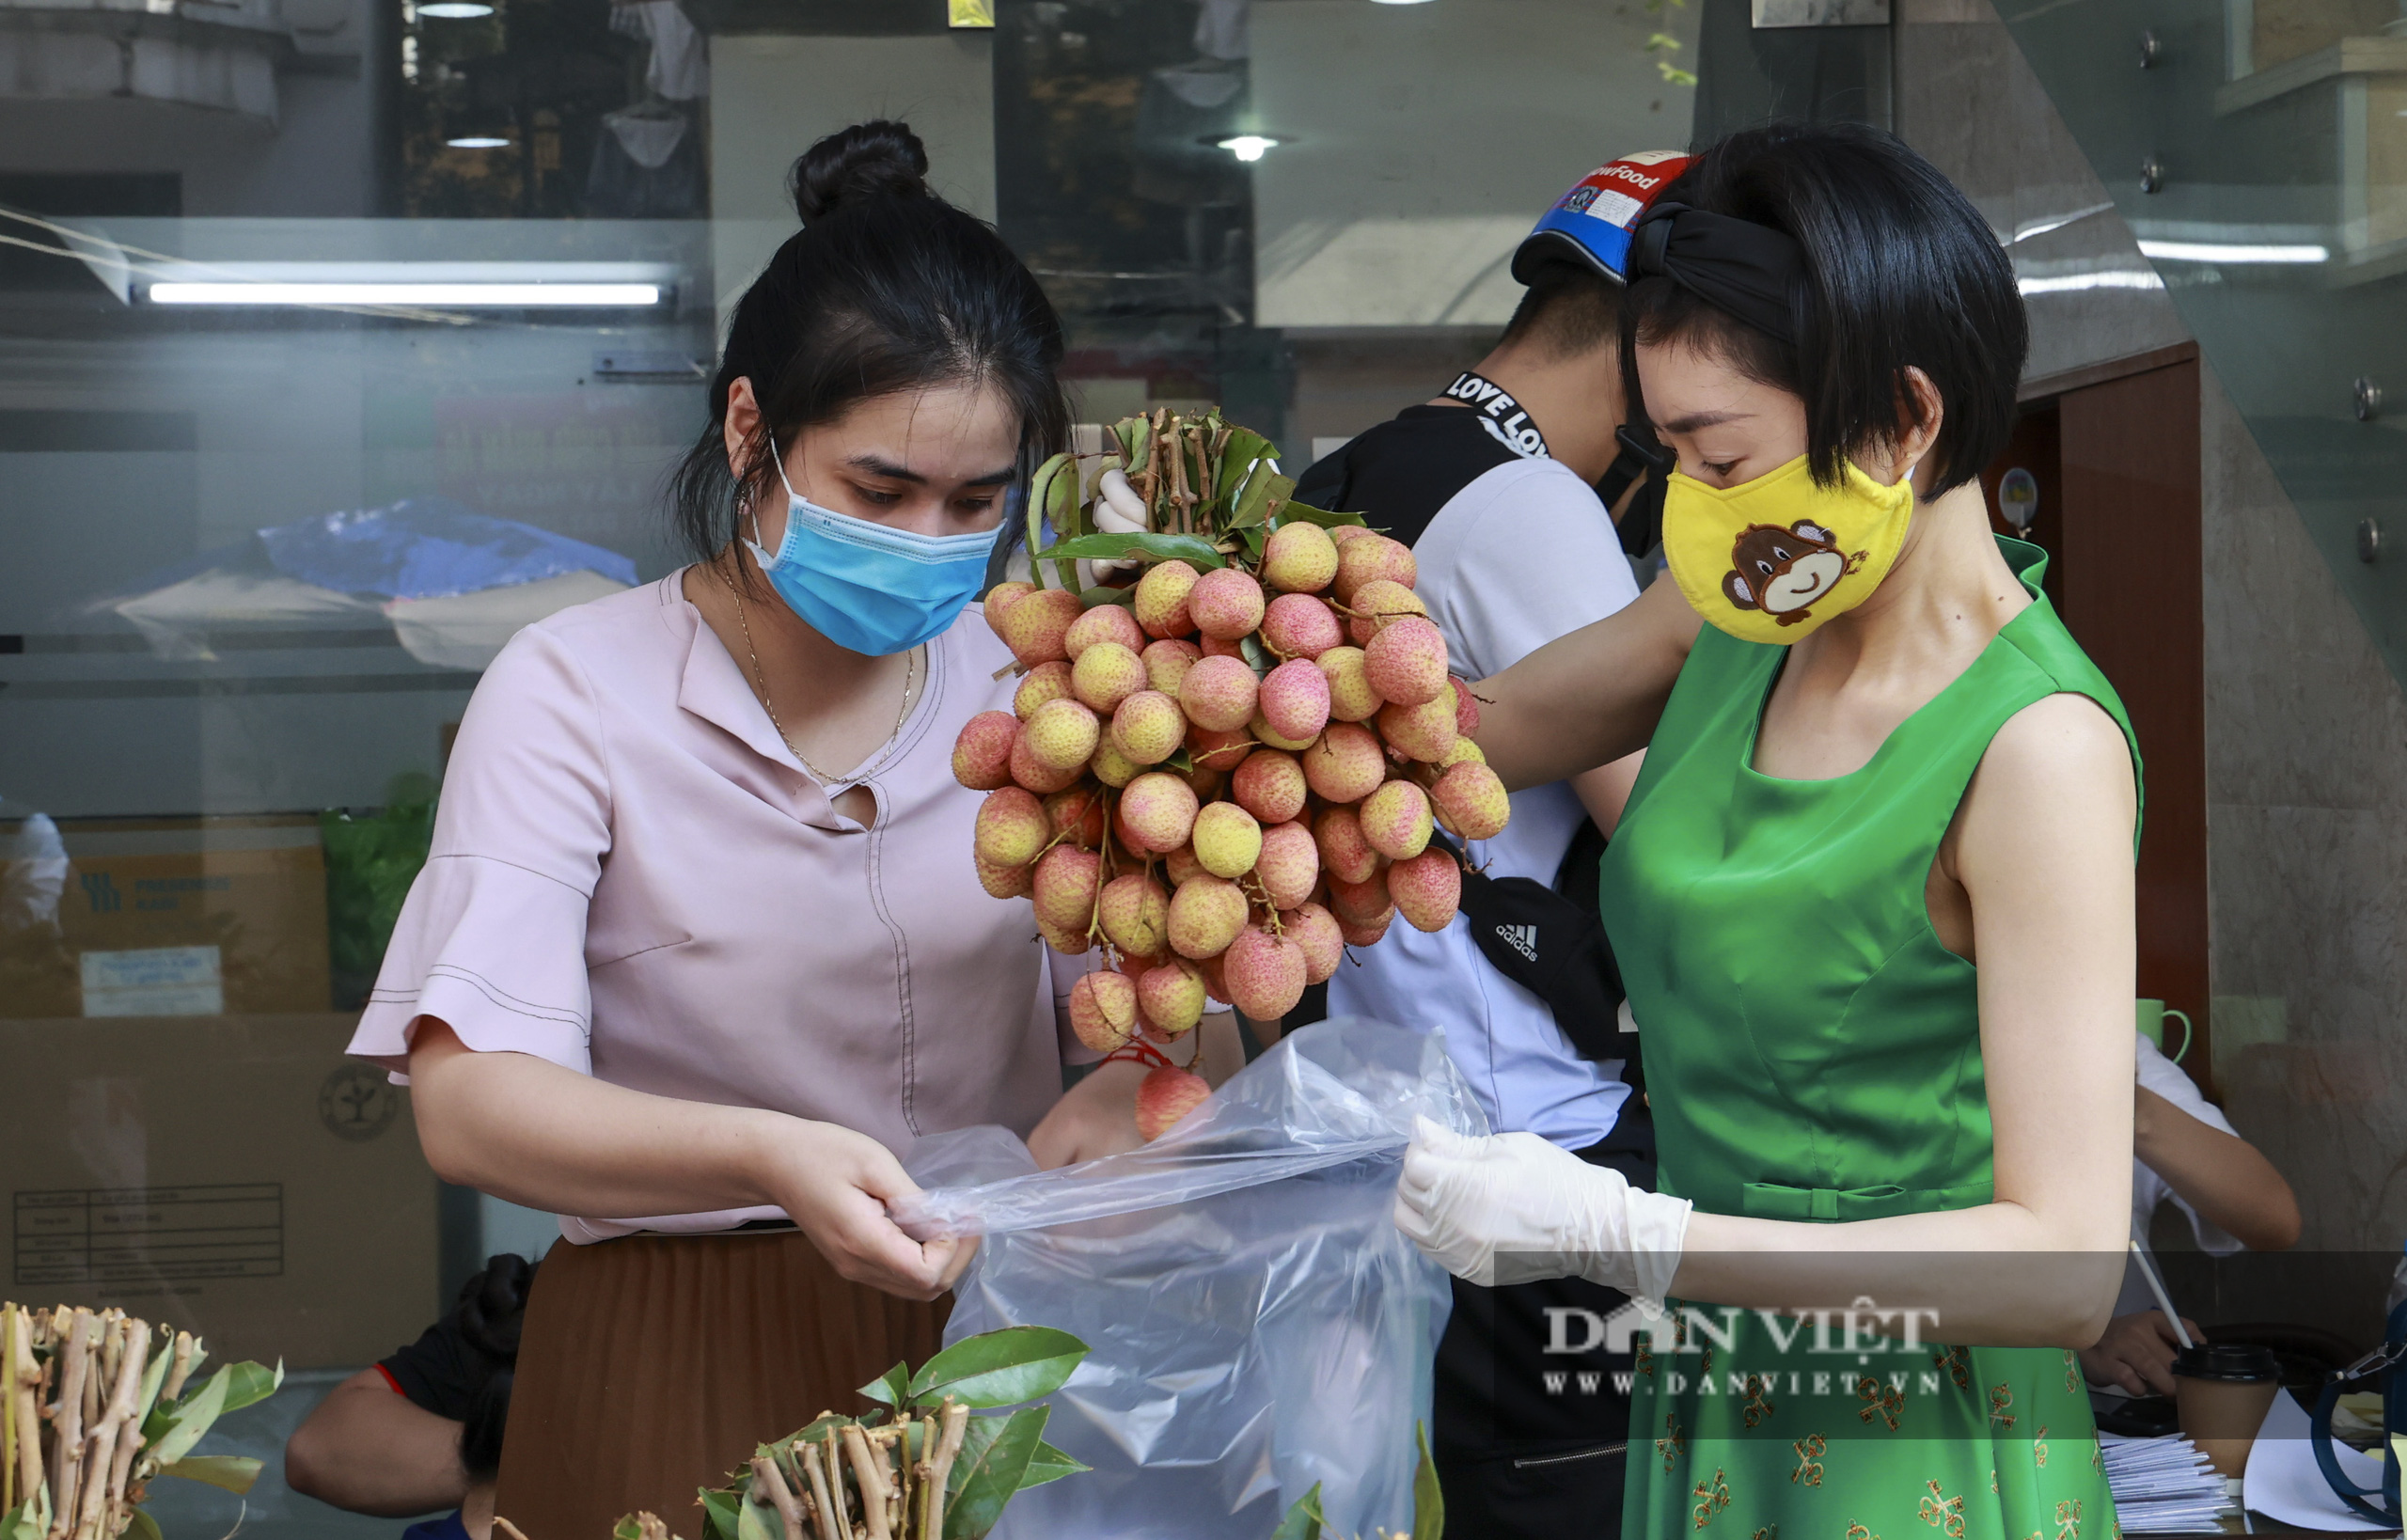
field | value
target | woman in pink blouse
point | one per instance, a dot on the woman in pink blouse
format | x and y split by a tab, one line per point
699	947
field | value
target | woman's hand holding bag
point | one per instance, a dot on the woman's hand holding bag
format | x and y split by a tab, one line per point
837	1186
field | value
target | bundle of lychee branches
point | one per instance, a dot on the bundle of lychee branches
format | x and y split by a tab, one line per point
925	1468
1226	757
94	1403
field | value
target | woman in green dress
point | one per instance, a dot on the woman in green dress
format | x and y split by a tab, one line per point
1872	897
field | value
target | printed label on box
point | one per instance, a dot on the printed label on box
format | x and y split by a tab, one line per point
149	1235
153	981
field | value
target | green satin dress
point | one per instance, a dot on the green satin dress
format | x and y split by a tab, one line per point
1812	1052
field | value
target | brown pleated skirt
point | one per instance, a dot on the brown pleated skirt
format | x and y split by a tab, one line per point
650	1365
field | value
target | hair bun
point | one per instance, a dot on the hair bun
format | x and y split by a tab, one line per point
878	159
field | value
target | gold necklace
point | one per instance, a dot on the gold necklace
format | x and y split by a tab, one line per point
760	683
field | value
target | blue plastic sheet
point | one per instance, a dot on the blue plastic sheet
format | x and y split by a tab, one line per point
429	548
1257	1324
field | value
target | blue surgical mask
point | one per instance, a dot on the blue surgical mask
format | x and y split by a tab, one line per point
865	587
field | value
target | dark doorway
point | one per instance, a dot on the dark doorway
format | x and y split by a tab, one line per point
2114	451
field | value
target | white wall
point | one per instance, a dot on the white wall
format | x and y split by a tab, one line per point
771	97
1427	140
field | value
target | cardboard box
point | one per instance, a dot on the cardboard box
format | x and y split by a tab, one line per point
234	1175
178	915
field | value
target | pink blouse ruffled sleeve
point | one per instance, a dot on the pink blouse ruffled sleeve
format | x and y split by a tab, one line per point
492	939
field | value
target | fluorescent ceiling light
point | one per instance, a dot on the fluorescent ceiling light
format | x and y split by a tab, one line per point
477	141
2070	282
2204	251
510	296
1426	2
456	10
1250	147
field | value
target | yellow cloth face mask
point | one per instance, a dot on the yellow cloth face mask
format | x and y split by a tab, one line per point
1770	560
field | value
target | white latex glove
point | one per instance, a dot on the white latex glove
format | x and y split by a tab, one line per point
1510	1208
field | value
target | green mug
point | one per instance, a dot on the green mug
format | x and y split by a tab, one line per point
2151	1023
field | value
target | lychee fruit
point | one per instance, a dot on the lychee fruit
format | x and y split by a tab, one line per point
1427	889
1061	735
1293	700
1206	915
1365	936
1345	763
1212	750
1162	598
1406	662
1167	662
1464	749
1010	827
1298	625
1005	882
1171	995
1214	647
1314	929
1106	674
1002	596
1215	984
1041	779
1068	943
1076	815
1181	864
1036	627
1046	682
1271	785
1361	902
1166	1095
1066	878
1381	603
1424	733
1341	533
1265	973
1135	914
1367	558
1148	727
1345	855
1102	623
1158	811
1351	699
1219	693
1225	604
1113	767
1470	798
1103	1009
982	756
1396	820
1299	557
1227	838
1466	709
1288	866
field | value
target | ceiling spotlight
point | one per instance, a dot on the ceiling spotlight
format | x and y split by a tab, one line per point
477	141
1248	147
459	10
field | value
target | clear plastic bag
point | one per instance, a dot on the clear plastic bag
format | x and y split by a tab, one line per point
1257	1325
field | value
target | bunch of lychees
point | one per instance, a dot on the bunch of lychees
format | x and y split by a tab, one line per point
1229	769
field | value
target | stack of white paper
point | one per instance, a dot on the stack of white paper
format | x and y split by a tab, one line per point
2162	1485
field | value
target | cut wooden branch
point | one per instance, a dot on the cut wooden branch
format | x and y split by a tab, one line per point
67	1421
179	1368
826	1517
512	1531
955	1421
104	1473
834	1460
770	1483
869	1474
23	1389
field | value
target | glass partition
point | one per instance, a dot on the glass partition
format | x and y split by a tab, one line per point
2258	150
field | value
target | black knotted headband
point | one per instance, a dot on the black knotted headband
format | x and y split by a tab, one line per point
1746	270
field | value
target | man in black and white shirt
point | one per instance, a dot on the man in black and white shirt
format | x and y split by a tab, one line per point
1494	483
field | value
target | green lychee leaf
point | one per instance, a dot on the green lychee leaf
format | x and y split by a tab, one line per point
1303	1521
1103	593
1257	657
249	1384
1265	491
627	1529
1306	513
1135	443
892	1388
999	1368
1429	1497
719	1514
141	1527
1193	549
192	1416
753	1522
996	1452
231	1472
1049	1464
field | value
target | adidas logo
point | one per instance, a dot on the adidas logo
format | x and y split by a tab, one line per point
1521	939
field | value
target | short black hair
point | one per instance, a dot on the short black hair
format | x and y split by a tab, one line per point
885	288
1901	271
1567	312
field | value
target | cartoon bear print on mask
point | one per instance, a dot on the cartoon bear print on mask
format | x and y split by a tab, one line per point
1782	571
